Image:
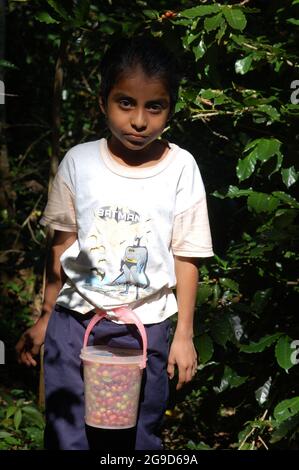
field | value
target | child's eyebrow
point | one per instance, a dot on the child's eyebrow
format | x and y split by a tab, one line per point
124	96
119	95
161	101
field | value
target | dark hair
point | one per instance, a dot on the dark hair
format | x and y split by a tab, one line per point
147	52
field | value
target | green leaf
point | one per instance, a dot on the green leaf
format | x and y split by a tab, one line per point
261	345
213	22
293	21
4	434
260	250
278	164
35	435
238	39
282	429
205	348
17	392
270	111
179	106
17	418
235	17
223	263
199	50
260	300
200	446
229	283
286	198
286	408
209	94
201	10
284	219
216	292
12	441
242	66
242	436
266	148
234	191
261	202
44	17
7	64
152	14
182	21
221	330
10	411
34	415
283	352
246	166
59	9
221	32
289	176
263	150
204	291
190	38
221	100
251	144
230	379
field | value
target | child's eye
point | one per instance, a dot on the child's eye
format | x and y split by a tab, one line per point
155	108
125	104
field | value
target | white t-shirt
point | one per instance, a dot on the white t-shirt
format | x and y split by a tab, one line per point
130	223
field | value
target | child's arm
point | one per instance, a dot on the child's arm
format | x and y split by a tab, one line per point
182	351
31	341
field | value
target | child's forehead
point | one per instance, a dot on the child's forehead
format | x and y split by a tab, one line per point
137	80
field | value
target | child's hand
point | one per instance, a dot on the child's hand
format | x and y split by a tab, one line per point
183	354
31	341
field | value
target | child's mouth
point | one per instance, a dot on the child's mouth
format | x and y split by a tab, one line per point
135	138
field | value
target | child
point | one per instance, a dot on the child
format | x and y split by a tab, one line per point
130	221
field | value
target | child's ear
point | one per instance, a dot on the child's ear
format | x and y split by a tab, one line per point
102	105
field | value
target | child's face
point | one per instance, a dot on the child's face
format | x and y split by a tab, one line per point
137	110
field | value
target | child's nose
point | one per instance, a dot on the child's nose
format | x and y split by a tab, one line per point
138	120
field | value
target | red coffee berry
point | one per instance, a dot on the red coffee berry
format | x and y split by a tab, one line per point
170	14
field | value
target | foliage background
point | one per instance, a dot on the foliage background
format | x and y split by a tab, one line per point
235	114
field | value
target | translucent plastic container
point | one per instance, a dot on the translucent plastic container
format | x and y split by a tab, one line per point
112	380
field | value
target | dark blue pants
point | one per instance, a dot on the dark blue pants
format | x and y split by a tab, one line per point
65	426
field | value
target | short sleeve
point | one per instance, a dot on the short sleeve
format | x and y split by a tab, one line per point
191	236
60	213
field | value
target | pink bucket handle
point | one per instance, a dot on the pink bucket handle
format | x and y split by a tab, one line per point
126	315
97	317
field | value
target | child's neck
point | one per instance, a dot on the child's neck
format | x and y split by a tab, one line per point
148	156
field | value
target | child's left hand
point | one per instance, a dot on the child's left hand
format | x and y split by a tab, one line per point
183	354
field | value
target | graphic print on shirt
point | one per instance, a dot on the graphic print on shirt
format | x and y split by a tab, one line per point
117	241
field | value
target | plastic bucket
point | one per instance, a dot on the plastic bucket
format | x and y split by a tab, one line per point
112	377
112	380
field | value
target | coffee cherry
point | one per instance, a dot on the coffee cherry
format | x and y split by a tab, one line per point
168	14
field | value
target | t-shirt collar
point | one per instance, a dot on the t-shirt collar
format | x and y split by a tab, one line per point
134	172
